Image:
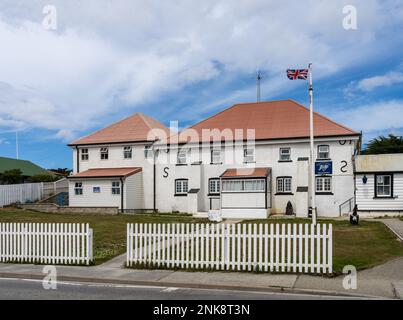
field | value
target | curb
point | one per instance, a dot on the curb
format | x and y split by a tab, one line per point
269	289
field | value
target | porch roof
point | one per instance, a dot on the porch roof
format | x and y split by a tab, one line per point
107	172
246	173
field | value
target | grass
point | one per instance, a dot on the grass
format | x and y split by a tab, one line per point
365	245
109	231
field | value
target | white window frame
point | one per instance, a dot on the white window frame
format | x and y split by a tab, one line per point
214	186
78	188
127	152
148	152
181	186
216	156
326	152
382	185
242	185
284	185
285	156
115	189
324	186
181	157
104	153
84	154
248	155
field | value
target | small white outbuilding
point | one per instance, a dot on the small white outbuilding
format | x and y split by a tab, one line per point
379	184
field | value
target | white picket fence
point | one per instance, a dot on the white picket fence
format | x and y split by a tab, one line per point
12	193
301	248
49	243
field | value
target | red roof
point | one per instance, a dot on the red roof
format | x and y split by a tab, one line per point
107	172
136	128
246	173
271	120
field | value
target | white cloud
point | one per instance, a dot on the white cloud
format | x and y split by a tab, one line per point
4	141
373	119
108	56
386	80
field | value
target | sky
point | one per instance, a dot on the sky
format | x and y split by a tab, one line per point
68	68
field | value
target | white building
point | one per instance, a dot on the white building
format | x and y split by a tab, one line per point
247	161
379	184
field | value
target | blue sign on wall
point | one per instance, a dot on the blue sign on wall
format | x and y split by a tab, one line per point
323	167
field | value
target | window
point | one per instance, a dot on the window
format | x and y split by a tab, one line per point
215	156
84	154
181	187
127	152
323	152
248	155
383	185
239	185
181	158
323	184
115	187
96	189
104	153
148	152
78	188
214	186
284	184
285	154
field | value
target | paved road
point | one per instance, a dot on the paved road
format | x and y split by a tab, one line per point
21	289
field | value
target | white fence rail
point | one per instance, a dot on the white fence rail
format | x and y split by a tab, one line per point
12	193
51	188
301	248
50	243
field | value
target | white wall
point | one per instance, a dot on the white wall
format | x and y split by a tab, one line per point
90	199
116	160
365	194
266	155
133	191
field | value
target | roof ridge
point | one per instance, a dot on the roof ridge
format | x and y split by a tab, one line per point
324	117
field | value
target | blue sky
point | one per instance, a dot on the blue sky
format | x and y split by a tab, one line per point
185	60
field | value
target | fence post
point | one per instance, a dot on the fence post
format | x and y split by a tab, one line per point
330	248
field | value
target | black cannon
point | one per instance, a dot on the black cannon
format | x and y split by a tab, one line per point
354	217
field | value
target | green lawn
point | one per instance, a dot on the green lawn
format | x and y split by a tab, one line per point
363	246
109	231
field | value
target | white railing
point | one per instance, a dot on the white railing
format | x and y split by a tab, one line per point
52	188
48	243
239	247
12	193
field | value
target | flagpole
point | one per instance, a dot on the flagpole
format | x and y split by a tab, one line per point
313	200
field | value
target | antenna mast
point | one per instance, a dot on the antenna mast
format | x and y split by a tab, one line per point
258	78
16	145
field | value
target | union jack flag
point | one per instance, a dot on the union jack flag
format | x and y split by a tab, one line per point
294	74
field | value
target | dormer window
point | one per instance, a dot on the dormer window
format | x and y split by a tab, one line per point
104	153
84	154
127	152
323	152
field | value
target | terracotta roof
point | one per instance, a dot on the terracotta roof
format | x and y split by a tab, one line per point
107	172
271	120
246	173
135	128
